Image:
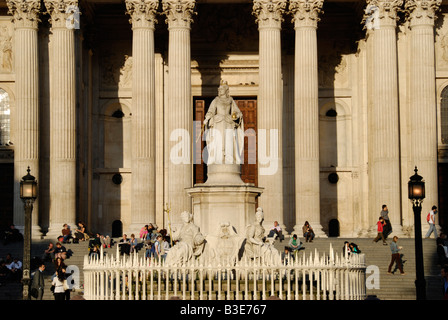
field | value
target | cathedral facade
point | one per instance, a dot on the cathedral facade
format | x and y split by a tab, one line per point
104	100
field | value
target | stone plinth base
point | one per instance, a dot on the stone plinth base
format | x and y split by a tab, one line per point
215	204
224	174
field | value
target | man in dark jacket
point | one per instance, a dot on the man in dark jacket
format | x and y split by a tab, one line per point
38	283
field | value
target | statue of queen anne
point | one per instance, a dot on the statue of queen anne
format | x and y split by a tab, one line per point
225	129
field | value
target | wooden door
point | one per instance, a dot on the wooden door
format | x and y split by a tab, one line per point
249	169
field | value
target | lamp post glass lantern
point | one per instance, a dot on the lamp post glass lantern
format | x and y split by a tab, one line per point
28	187
416	193
28	193
416	187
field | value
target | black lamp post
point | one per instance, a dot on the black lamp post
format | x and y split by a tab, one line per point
28	193
416	191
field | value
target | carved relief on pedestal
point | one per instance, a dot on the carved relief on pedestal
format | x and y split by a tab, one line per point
6	47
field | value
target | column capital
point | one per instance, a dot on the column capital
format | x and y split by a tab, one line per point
142	12
422	12
382	13
269	13
61	12
306	12
25	12
179	13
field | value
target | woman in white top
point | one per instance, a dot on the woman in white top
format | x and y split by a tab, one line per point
59	284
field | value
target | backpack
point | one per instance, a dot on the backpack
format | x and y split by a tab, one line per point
428	217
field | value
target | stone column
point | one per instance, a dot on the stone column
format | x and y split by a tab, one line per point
26	122
270	109
384	144
62	116
306	114
422	100
179	105
143	111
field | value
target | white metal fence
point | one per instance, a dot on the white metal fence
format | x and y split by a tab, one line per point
307	277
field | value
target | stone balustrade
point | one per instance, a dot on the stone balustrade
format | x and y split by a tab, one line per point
308	277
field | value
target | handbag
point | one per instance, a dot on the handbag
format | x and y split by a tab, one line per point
52	288
34	292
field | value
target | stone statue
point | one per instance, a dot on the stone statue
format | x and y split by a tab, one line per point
190	242
255	248
224	248
225	134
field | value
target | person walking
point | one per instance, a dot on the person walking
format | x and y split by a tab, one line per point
431	219
38	283
395	250
380	228
388	226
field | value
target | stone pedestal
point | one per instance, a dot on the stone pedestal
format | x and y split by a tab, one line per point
224	174
213	204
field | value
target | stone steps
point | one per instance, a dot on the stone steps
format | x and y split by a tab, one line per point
396	286
391	287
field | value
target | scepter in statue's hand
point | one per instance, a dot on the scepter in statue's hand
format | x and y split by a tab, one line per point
167	210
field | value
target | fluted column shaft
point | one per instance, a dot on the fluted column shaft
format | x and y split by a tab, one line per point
306	114
62	117
270	108
179	106
384	145
143	112
26	123
423	114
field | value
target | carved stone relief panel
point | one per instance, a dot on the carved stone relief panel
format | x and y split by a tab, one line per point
6	47
441	46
